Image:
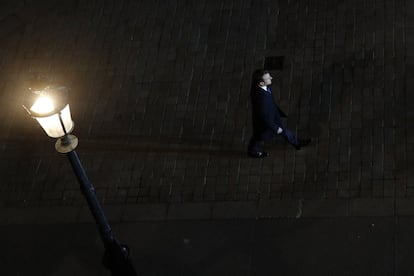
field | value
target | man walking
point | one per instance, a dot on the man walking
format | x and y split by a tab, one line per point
267	117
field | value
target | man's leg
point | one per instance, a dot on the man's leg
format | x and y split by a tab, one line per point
291	139
255	149
255	145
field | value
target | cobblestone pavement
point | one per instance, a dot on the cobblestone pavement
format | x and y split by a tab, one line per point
159	96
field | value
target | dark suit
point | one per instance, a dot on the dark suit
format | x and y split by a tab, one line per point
266	117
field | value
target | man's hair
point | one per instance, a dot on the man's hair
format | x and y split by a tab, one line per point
257	76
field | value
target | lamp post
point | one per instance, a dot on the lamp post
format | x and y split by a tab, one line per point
49	106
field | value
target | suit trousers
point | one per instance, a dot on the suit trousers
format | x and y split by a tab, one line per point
255	143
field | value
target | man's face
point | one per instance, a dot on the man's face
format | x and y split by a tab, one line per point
267	79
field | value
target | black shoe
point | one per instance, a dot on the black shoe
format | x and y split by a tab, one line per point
302	143
259	154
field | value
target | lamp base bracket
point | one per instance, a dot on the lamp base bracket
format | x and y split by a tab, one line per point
66	143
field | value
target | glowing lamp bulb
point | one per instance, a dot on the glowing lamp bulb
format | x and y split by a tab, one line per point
43	105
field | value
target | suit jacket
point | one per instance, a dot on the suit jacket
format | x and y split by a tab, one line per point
266	114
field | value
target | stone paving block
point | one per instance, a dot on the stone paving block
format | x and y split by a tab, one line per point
278	208
60	215
404	207
146	212
189	211
18	215
57	215
371	207
236	209
325	208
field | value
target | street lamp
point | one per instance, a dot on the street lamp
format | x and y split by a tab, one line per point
49	106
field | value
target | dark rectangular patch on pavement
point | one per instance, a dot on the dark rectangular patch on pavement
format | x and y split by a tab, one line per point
274	63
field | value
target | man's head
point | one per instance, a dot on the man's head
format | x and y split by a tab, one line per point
262	78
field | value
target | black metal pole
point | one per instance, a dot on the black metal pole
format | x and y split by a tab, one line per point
116	257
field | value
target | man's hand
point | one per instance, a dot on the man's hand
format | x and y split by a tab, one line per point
279	130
